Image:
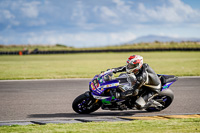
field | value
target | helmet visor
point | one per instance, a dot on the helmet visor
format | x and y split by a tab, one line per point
132	66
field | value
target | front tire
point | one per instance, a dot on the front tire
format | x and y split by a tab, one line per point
85	104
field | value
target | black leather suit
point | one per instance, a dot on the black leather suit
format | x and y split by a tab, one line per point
145	77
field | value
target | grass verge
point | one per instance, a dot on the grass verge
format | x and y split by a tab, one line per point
88	65
156	44
136	126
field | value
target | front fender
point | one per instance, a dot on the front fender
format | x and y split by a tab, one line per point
87	94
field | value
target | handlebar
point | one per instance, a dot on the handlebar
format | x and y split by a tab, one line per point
106	72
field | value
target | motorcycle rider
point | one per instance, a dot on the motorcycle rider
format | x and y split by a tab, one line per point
142	76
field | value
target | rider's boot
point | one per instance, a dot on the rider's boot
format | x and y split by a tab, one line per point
145	100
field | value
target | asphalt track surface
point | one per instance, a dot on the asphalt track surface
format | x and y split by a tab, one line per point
52	99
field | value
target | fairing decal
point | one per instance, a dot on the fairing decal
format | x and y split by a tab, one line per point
167	85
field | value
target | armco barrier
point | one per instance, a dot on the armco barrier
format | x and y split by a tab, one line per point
36	51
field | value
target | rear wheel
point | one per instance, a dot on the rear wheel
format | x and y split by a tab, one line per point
165	98
84	104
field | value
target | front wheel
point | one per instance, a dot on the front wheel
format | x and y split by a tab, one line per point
165	98
85	104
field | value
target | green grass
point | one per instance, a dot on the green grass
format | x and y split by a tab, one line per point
88	65
33	47
136	126
155	44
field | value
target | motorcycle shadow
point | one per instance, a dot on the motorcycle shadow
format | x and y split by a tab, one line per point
95	114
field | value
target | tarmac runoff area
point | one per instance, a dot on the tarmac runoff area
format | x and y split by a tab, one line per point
114	119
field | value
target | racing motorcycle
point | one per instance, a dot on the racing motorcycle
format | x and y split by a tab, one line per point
103	87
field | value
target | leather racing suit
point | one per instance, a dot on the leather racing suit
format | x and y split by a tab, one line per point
146	77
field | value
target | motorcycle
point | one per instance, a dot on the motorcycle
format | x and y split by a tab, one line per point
103	87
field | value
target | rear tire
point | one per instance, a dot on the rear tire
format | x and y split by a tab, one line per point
165	98
84	104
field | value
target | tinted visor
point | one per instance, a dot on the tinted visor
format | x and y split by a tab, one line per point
131	66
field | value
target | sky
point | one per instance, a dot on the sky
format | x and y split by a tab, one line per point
90	23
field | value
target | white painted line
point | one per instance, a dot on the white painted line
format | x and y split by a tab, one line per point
188	77
184	77
45	119
45	79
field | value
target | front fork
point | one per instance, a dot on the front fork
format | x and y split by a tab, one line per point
90	103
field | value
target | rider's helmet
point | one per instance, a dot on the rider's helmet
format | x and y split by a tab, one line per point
134	63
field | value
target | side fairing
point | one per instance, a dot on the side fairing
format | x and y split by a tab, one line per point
104	86
167	85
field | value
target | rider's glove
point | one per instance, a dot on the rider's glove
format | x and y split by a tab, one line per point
114	71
